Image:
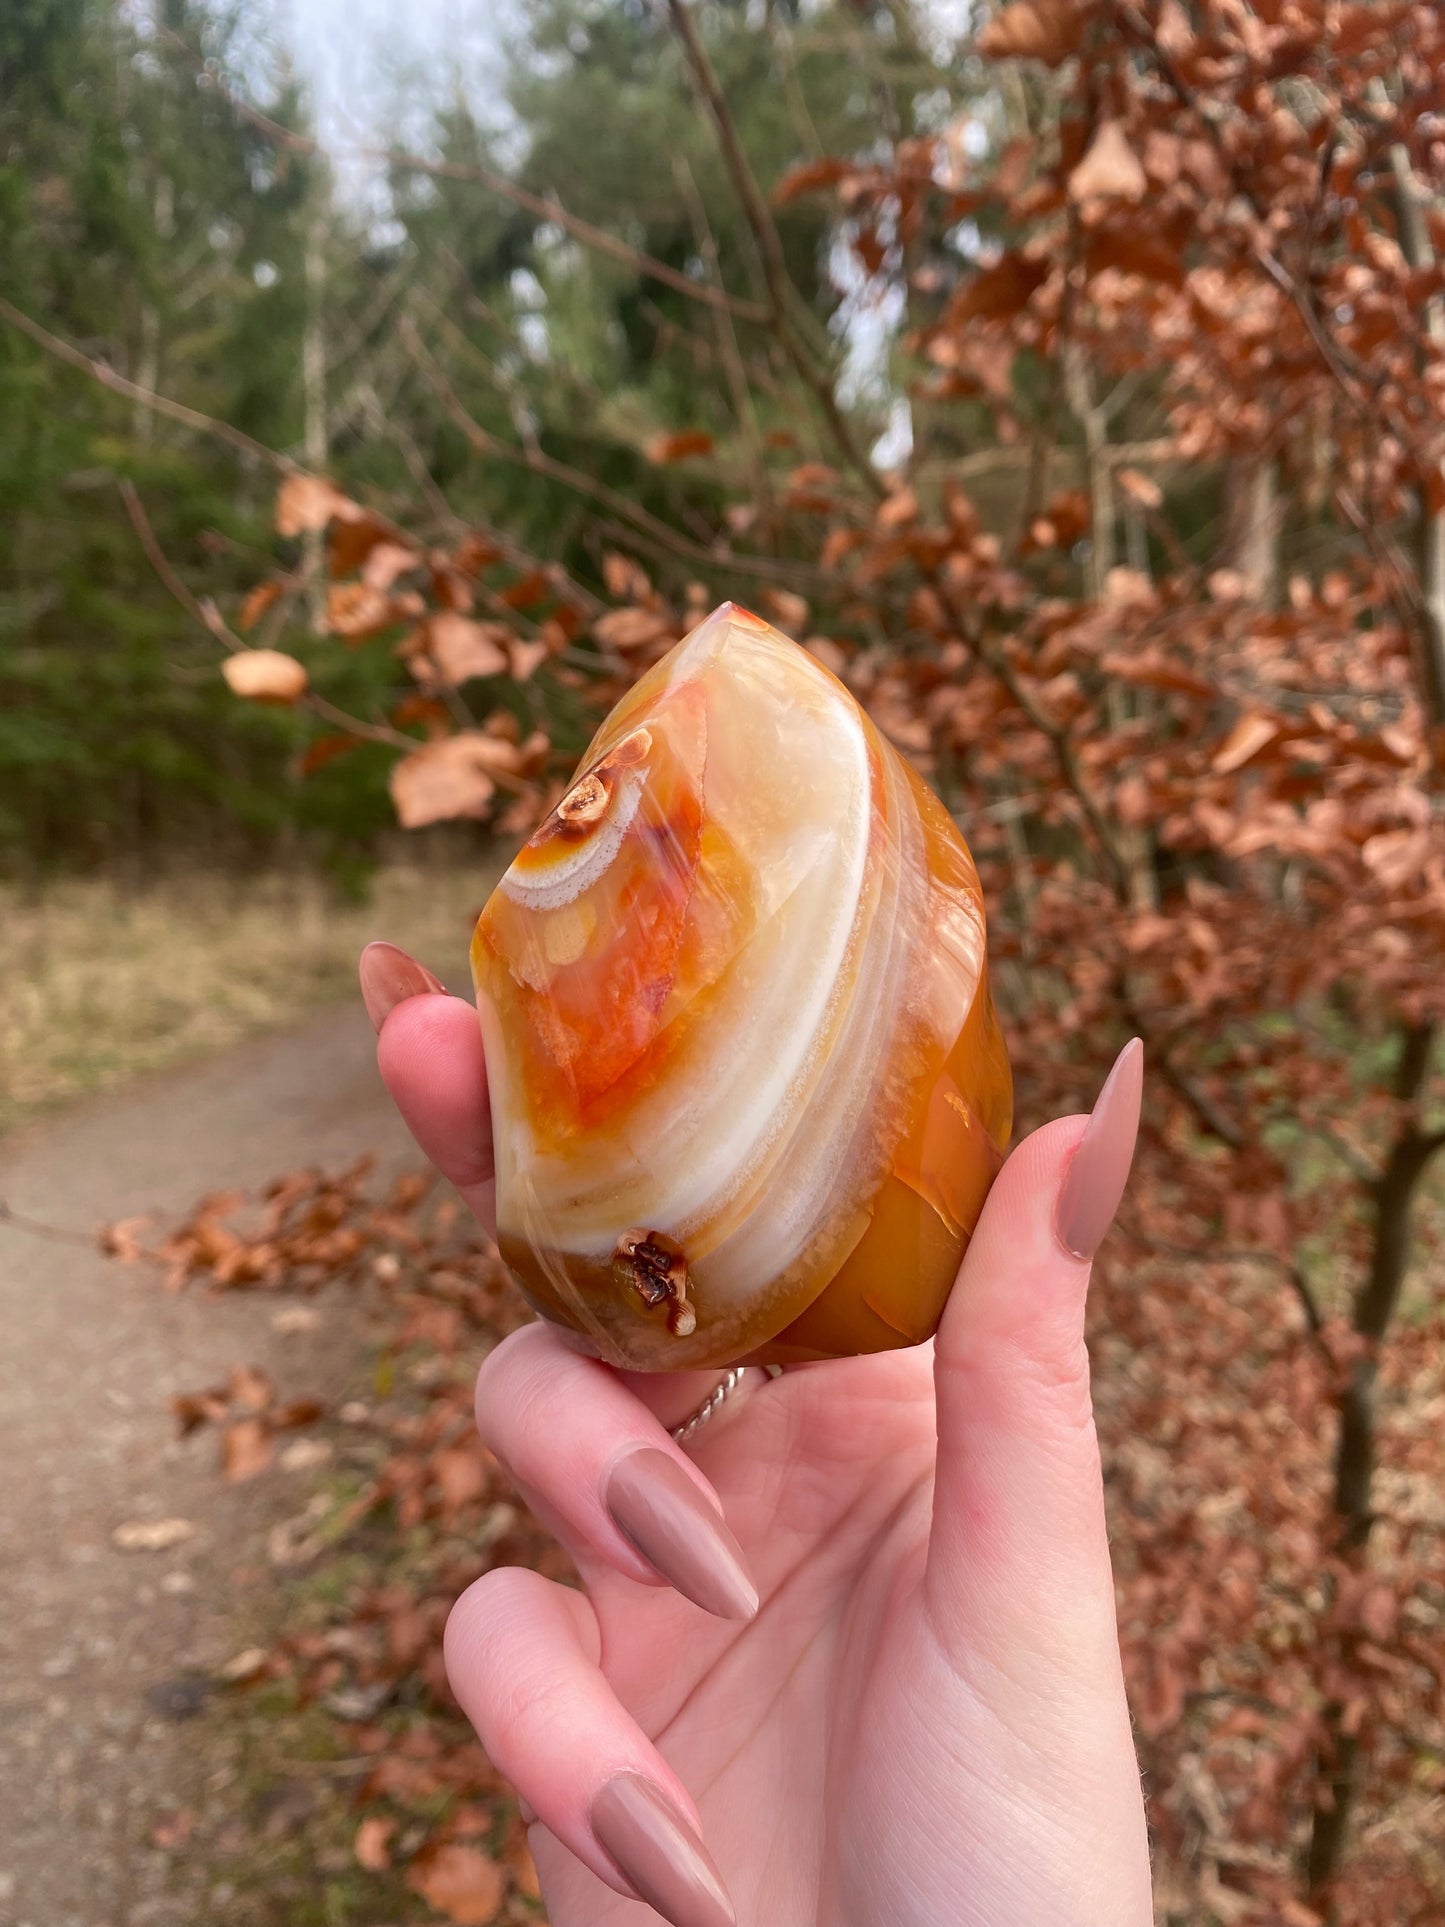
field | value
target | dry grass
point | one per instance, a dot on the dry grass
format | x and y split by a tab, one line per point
99	982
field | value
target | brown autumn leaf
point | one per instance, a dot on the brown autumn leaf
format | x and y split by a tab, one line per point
444	780
372	1845
122	1239
356	535
386	561
1228	585
1126	588
1047	30
306	503
462	648
420	709
999	291
246	1449
525	657
897	509
257	602
626	629
249	1388
1110	170
265	676
678	446
461	1475
152	1535
461	1882
788	610
1247	738
626	580
1140	489
173	1829
808	177
1397	857
326	749
358	612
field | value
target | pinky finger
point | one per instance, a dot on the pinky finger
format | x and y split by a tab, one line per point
522	1657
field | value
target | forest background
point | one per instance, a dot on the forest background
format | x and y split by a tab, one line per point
1070	379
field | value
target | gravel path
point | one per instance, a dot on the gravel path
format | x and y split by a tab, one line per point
105	1654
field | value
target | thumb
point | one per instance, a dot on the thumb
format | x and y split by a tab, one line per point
1018	1562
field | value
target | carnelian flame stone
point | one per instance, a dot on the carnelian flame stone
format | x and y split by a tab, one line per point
748	1088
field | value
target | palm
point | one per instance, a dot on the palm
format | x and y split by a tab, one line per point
822	1739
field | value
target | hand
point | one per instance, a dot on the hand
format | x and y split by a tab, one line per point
921	1722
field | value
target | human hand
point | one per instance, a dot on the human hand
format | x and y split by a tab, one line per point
905	1707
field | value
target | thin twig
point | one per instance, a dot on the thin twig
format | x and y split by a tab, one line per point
782	295
102	372
545	207
209	616
643	527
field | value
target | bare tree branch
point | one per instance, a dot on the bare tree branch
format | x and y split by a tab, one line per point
209	616
643	526
781	292
545	207
102	372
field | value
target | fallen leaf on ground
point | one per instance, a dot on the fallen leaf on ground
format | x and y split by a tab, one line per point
373	1843
173	1830
152	1535
246	1449
459	1882
304	1455
243	1666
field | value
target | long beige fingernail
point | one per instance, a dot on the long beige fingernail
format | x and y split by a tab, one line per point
1094	1182
388	977
658	1509
654	1848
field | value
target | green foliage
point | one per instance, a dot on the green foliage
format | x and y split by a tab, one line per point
146	221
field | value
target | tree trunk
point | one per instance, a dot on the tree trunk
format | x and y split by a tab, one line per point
1254	518
1375	1305
313	385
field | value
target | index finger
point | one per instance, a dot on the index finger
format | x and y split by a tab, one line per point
430	1055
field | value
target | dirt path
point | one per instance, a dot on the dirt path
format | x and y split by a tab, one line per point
105	1655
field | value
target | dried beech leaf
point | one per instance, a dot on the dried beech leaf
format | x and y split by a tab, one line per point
246	1449
808	177
265	676
445	780
373	1843
257	603
626	580
462	648
1248	737
325	750
1142	490
525	657
626	629
152	1535
679	446
461	1475
1047	30
306	503
1110	170
460	1882
788	610
358	612
243	1667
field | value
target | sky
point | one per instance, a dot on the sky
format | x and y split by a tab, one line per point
362	58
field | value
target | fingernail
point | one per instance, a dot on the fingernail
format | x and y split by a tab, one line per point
654	1848
1094	1182
657	1508
388	977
